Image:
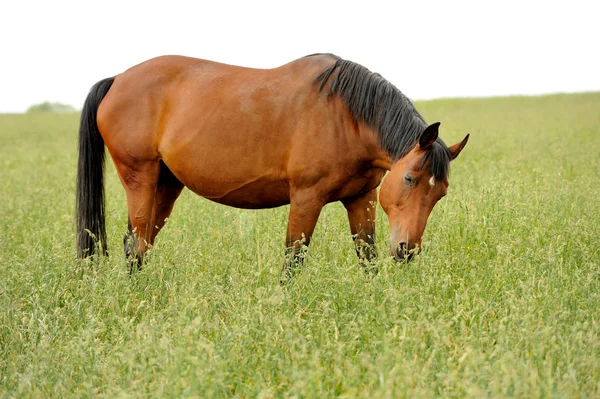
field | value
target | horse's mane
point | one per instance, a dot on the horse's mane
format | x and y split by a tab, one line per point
380	105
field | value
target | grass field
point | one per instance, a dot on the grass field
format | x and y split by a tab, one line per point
504	301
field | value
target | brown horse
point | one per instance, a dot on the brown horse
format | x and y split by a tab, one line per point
317	130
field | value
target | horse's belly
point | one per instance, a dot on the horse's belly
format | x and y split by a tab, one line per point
260	197
257	193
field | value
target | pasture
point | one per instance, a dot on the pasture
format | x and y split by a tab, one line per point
504	301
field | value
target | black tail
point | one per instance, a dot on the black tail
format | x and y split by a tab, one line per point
90	176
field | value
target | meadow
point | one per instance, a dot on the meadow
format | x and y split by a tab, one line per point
504	301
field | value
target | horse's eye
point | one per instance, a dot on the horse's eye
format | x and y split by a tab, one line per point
409	180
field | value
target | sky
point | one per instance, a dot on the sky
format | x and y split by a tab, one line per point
56	50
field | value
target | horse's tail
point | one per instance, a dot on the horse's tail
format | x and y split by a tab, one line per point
90	212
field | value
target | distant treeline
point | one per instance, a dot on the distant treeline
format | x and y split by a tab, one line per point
50	107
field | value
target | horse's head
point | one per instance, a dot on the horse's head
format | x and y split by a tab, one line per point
413	186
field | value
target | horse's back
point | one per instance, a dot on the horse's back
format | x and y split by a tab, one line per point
174	97
219	128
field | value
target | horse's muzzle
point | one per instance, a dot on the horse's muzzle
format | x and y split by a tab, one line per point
402	252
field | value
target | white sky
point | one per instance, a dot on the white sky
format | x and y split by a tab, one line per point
56	50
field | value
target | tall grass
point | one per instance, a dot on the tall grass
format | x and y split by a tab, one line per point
503	301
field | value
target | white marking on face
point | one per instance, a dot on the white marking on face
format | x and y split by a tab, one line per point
432	181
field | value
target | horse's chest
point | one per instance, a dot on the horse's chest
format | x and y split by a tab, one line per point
357	185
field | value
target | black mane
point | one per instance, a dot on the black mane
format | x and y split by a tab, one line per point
380	105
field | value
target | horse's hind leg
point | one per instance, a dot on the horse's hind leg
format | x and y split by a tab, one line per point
151	193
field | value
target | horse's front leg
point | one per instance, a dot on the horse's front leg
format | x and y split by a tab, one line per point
361	215
305	208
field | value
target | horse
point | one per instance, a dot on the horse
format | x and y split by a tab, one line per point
313	131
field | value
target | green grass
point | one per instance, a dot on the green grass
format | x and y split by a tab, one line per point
503	301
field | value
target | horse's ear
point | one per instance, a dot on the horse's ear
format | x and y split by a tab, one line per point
429	136
457	148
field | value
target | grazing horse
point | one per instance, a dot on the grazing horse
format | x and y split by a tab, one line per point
316	130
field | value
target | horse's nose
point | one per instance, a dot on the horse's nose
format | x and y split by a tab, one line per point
403	253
